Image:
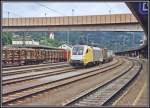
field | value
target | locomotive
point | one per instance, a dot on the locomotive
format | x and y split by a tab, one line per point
84	55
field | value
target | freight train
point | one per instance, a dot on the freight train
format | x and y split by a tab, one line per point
12	56
84	55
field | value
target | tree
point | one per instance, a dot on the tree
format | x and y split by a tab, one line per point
7	38
51	42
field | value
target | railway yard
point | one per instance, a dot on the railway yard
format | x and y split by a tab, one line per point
71	55
122	81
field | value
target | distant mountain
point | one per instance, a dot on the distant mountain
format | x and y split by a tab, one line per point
117	41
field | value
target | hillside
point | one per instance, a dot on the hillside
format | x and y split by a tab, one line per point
117	41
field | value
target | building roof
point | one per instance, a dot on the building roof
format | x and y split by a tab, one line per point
67	45
31	46
21	39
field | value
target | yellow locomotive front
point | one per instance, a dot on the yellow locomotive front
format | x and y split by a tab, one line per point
81	55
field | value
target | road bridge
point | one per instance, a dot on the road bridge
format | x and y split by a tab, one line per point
114	22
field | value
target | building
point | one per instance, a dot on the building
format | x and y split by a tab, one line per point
26	41
65	46
51	35
143	40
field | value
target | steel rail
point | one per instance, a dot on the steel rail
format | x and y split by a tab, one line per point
103	93
44	87
39	68
28	66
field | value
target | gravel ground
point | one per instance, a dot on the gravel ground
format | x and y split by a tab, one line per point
29	83
60	95
136	94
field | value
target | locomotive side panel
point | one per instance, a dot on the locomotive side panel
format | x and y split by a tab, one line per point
89	56
96	54
105	56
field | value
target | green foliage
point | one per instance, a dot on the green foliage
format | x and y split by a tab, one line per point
117	41
50	42
42	37
37	36
7	38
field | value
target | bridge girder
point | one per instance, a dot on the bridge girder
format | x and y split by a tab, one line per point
105	27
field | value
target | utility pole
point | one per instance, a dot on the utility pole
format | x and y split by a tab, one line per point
123	42
133	39
69	30
24	39
8	18
68	44
109	12
68	37
87	40
110	15
116	46
72	12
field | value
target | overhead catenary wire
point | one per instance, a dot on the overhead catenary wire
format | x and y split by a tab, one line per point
51	9
110	9
10	12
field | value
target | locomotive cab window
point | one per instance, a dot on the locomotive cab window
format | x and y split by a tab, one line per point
78	50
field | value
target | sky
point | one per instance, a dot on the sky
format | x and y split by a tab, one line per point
51	9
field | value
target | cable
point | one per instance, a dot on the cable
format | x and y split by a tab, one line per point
12	13
110	9
51	9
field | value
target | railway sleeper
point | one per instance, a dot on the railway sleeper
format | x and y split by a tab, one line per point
86	104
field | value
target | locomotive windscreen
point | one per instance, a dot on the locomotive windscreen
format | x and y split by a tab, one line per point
78	50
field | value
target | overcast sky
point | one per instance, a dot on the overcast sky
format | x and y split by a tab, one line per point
40	9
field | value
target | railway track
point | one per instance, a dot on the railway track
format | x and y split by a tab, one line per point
15	83
13	96
34	75
36	68
28	66
102	94
132	95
